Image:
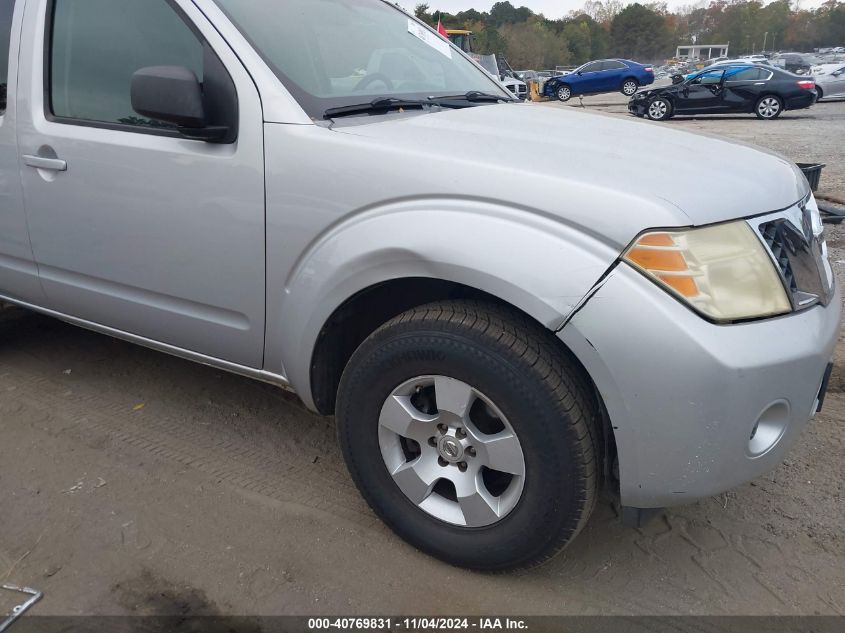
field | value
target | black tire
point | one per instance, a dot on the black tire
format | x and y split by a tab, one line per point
563	92
541	390
819	93
760	108
629	87
659	109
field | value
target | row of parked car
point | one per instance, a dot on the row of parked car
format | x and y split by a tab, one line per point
798	63
748	85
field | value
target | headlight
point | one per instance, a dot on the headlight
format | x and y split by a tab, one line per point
722	271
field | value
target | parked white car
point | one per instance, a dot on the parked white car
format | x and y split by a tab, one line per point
517	87
513	84
826	69
752	59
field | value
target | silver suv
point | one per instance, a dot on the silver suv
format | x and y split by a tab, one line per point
272	188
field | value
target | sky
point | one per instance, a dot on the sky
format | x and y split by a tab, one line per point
550	8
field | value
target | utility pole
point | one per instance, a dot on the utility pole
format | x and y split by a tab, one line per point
765	37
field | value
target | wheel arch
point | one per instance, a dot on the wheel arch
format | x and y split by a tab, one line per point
668	96
363	313
769	93
359	316
374	268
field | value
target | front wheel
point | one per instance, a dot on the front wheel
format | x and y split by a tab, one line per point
768	107
472	434
564	93
629	87
659	109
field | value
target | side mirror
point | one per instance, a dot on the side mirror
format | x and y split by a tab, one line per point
173	94
676	79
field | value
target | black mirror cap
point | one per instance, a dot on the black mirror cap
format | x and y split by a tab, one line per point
172	94
676	79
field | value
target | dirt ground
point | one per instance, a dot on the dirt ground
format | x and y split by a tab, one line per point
134	482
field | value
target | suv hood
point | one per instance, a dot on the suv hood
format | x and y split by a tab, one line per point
612	176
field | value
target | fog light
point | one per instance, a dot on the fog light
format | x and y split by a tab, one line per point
769	428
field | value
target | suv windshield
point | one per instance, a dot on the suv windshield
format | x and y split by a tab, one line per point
336	53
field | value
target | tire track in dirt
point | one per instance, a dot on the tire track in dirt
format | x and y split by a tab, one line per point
281	471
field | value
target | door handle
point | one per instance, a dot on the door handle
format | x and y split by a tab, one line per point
40	162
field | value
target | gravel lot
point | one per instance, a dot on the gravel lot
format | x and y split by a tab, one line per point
133	482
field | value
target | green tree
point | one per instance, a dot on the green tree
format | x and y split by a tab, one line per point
639	33
578	37
422	12
648	32
505	13
533	44
489	41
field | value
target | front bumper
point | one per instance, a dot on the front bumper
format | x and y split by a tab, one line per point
638	106
684	396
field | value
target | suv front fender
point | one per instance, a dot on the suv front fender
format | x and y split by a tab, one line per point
535	263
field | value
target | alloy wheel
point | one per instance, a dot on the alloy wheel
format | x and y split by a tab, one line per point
564	93
629	88
657	110
768	107
451	451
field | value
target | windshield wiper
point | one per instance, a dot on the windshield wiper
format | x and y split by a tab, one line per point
384	104
475	96
376	105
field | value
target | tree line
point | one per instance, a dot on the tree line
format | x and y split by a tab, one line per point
646	32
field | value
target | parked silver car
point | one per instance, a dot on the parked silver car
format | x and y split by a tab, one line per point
830	81
272	188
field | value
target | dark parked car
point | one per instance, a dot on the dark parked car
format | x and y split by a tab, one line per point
741	88
605	75
798	63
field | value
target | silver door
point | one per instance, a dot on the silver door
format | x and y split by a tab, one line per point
18	275
132	226
836	85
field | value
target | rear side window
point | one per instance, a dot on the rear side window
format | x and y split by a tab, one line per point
591	68
749	74
612	65
96	47
7	8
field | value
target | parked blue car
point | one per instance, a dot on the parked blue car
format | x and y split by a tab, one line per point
604	75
